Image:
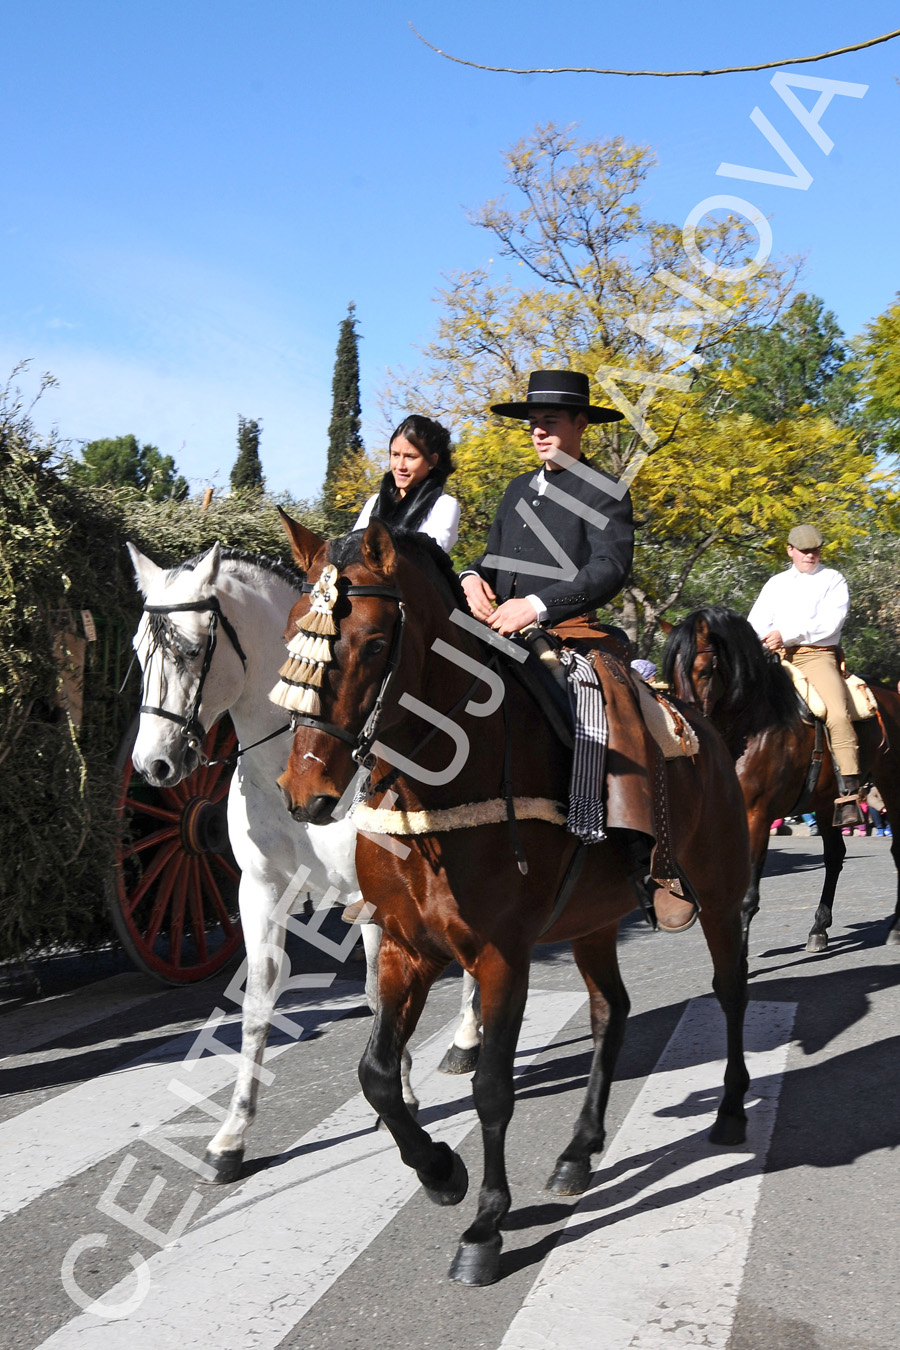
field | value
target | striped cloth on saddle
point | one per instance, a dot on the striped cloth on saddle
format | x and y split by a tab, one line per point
587	810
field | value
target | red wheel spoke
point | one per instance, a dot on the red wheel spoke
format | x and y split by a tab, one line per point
213	893
161	903
150	841
145	809
197	916
152	872
226	866
176	928
221	791
175	796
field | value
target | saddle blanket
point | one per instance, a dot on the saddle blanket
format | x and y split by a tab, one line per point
674	736
861	697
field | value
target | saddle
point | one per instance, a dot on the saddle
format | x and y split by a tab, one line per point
644	731
861	697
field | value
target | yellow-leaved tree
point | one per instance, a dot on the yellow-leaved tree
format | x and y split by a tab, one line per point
610	291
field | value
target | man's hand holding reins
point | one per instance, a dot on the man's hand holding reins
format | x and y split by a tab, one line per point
512	616
773	640
479	595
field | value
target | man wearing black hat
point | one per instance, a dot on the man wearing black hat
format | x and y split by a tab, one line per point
560	544
800	613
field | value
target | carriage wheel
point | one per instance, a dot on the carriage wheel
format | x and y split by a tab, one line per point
174	893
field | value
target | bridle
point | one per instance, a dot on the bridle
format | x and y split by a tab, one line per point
192	728
362	741
706	701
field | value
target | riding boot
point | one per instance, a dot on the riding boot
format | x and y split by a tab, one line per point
846	806
665	908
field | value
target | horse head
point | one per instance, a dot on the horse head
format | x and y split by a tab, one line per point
184	690
695	664
343	642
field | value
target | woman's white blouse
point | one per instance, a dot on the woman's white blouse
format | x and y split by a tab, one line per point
442	521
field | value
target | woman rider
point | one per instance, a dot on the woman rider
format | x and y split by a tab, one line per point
411	496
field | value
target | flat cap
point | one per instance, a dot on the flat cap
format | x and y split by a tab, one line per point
805	537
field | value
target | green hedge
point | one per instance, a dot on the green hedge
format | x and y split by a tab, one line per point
62	550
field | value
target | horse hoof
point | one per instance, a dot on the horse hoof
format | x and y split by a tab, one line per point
226	1166
817	942
729	1130
453	1190
477	1262
458	1060
571	1176
893	937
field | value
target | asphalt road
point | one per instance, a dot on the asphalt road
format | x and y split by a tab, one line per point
787	1244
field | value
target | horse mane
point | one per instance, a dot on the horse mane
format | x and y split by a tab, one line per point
419	549
753	674
237	555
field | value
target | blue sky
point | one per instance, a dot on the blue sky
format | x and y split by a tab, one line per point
193	191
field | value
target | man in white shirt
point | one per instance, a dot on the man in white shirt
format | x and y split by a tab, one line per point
801	613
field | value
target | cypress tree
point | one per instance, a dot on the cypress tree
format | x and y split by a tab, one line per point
247	474
344	440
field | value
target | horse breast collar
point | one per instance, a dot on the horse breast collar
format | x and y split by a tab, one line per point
191	726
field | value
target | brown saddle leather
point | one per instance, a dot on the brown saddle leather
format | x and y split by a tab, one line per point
636	792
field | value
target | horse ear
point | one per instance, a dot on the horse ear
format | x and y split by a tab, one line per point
145	571
378	551
304	544
207	568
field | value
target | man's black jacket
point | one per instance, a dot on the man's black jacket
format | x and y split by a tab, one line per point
597	559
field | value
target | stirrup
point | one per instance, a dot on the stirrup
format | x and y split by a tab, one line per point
847	811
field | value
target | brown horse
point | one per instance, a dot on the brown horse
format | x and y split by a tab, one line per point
408	667
714	660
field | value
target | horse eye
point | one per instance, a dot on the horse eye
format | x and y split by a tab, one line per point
373	647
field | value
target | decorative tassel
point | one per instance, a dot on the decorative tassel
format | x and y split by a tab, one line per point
296	698
309	651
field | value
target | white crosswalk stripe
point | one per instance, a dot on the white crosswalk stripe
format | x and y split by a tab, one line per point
48	1144
657	1248
309	1240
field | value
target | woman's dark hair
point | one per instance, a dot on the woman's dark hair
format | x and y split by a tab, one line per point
408	512
429	438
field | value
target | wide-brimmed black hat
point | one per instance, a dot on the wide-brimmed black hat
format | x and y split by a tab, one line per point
558	389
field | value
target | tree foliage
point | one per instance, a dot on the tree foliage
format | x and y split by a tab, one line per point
124	462
345	444
800	361
246	473
741	441
877	364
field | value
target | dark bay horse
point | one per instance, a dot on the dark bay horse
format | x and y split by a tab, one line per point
403	686
715	660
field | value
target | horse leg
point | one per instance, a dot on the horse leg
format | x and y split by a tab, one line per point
504	990
758	821
462	1053
403	985
834	852
597	960
371	936
893	933
724	939
264	941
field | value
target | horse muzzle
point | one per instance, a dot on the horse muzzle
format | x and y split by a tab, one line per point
318	810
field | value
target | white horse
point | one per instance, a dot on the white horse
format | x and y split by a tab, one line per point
244	601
